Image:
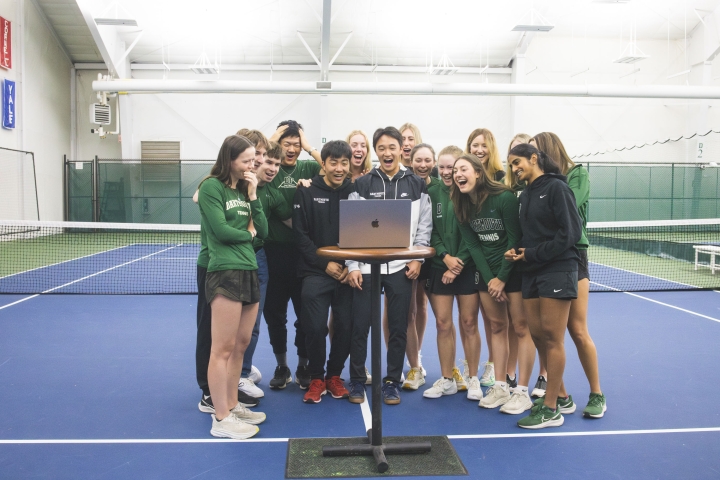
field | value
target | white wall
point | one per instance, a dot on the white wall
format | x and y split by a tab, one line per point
43	109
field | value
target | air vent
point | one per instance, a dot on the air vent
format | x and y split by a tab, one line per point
159	150
100	114
323	85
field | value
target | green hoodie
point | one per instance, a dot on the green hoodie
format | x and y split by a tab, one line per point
445	237
225	215
579	182
286	183
274	206
492	232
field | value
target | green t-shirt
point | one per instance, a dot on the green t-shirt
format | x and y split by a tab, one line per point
204	255
286	183
225	215
445	237
274	206
492	232
579	182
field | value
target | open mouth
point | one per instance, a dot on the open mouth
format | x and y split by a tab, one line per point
461	182
406	151
387	162
519	172
290	156
358	155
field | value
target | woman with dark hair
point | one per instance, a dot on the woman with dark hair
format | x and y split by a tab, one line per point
231	216
487	212
579	182
550	227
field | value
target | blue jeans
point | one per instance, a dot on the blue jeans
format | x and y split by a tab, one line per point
263	278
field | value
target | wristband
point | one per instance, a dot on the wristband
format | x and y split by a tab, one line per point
443	255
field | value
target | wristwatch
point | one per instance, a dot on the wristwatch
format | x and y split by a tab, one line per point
443	255
311	150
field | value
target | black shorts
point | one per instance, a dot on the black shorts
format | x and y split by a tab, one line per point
583	270
514	283
464	284
560	285
425	270
238	285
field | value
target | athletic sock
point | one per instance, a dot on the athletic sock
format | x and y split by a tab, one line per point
281	359
303	362
447	378
502	385
521	388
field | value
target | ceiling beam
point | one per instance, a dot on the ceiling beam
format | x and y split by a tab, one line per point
305	68
84	7
411	88
325	45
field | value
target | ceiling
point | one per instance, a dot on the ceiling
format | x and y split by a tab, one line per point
473	33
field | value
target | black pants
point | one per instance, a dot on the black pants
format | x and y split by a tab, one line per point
283	286
204	334
398	293
319	293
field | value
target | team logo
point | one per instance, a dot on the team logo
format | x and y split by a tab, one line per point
477	278
288	182
439	209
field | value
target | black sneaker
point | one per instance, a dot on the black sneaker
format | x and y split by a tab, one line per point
512	382
540	387
281	377
206	405
246	400
302	377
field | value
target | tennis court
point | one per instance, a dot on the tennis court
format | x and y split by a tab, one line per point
107	387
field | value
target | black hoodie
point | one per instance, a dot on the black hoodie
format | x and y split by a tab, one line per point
551	225
316	223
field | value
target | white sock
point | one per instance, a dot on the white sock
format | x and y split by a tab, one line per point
502	385
521	388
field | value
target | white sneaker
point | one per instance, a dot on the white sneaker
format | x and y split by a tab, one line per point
441	387
232	427
407	362
474	392
540	386
459	380
519	402
369	377
248	386
466	369
247	416
494	397
255	375
414	380
488	377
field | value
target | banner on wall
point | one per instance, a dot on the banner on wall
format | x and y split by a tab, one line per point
5	43
8	101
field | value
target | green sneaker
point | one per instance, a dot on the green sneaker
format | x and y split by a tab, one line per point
596	406
566	405
541	417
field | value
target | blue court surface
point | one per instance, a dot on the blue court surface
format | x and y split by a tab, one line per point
101	386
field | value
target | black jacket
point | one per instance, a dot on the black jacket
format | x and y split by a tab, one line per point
316	223
551	225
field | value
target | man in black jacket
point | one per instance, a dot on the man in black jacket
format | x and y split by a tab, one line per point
316	223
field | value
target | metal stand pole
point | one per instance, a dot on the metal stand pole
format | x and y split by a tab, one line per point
376	448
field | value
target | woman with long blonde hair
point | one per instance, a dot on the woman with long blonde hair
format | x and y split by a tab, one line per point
481	143
360	163
411	137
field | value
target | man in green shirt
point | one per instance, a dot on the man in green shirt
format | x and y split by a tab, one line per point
282	255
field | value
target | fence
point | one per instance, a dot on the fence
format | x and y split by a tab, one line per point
161	191
18	185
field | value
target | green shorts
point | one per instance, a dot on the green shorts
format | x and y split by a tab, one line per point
238	285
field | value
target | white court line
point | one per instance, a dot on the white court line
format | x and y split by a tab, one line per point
643	274
367	416
91	275
659	303
65	261
280	440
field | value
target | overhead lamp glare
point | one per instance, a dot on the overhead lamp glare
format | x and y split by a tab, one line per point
537	23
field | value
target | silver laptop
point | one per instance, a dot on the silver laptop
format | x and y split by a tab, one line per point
375	223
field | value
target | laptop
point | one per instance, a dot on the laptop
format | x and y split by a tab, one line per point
375	223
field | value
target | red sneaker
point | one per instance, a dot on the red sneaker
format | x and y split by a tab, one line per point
315	392
336	387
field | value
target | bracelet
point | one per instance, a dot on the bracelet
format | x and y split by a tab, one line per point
311	150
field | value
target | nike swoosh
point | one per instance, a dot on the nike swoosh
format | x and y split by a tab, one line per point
556	291
543	196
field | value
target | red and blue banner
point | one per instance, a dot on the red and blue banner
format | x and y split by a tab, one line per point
8	101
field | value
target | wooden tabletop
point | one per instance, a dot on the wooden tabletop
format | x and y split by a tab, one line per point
375	255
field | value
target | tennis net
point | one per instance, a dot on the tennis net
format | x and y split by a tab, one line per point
120	258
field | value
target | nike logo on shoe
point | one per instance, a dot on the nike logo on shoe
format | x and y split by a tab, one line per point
556	291
403	195
543	196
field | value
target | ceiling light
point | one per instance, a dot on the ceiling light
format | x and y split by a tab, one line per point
542	25
123	22
443	67
203	66
204	70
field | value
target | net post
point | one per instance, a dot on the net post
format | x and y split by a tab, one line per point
65	187
95	188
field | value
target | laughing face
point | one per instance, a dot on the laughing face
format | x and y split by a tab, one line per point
479	148
359	148
267	170
465	176
423	163
407	146
336	171
445	168
388	152
291	150
523	168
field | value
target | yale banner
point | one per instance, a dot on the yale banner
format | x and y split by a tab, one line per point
8	100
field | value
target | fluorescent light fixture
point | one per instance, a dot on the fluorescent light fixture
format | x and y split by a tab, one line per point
119	22
542	25
532	28
204	70
445	66
631	59
203	66
631	54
